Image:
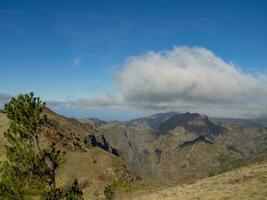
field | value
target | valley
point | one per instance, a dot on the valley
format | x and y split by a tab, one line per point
163	156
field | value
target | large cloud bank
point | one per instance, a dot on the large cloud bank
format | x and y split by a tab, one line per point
187	79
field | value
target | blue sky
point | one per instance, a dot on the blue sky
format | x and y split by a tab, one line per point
69	50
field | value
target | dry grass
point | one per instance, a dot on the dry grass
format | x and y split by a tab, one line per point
247	183
3	127
97	167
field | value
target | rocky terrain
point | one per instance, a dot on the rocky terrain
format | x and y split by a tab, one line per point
199	157
182	148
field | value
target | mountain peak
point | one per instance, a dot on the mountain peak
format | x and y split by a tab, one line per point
193	122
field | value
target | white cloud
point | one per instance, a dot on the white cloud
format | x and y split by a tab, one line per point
191	78
186	79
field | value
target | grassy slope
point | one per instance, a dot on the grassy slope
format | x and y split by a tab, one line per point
96	166
3	127
247	183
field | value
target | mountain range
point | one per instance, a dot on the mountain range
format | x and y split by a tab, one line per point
183	147
153	152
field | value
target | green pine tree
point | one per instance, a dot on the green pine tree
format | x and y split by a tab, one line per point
29	172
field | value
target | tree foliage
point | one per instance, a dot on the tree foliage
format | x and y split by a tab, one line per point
29	171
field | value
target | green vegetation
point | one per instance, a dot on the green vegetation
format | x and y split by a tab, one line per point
29	171
109	191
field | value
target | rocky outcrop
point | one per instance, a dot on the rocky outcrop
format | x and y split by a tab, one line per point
99	141
201	138
73	134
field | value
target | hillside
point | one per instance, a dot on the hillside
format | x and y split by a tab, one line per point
181	148
3	127
187	150
90	158
247	183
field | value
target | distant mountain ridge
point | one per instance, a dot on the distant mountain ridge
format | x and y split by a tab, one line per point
193	122
184	146
94	121
153	121
260	122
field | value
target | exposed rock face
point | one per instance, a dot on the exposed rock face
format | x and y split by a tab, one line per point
99	141
74	135
201	138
